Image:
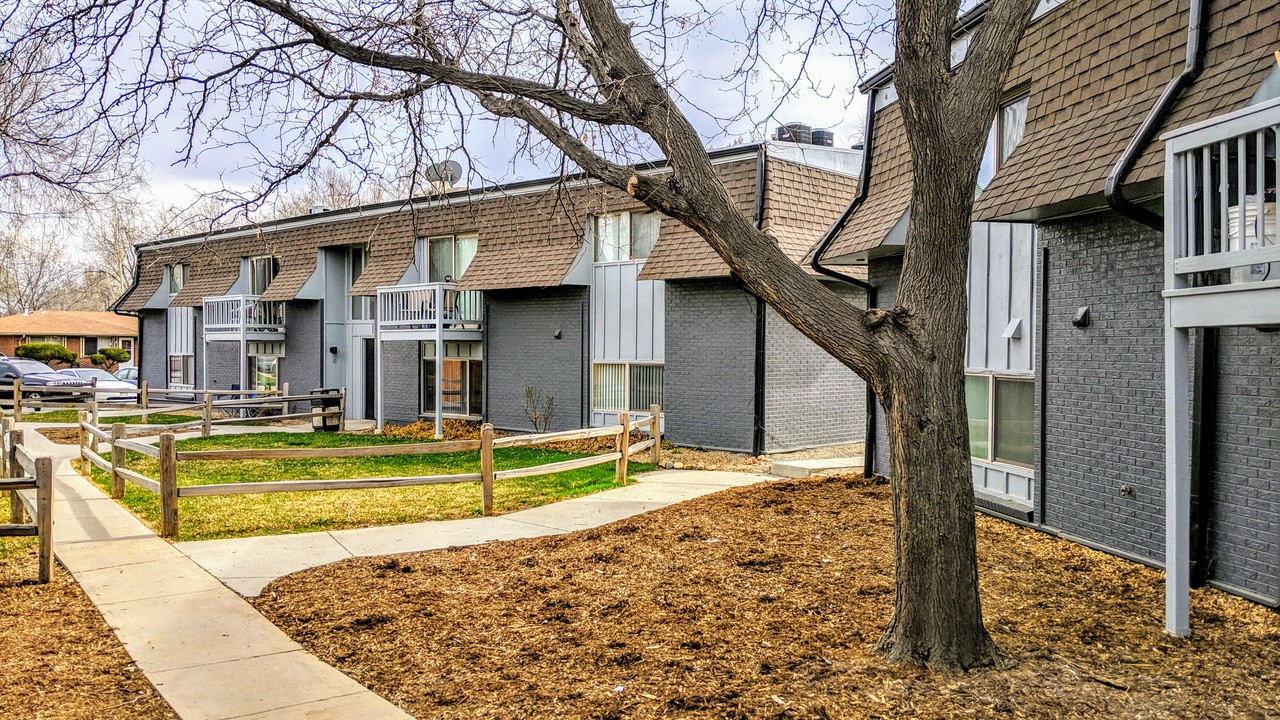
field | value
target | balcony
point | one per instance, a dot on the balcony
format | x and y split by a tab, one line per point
243	317
430	310
1222	257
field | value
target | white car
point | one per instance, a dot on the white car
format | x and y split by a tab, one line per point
105	381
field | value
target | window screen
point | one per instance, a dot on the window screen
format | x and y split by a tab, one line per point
1014	421
646	386
609	386
977	399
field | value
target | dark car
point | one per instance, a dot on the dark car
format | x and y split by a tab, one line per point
34	376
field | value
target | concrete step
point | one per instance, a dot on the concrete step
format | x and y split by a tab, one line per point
825	466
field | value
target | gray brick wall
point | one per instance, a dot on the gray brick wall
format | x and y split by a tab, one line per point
884	274
1244	515
303	350
522	350
810	398
1105	384
709	380
401	381
152	360
224	364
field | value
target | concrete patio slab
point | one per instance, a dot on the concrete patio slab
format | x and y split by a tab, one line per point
827	466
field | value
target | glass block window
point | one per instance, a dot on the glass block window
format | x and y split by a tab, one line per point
626	386
609	386
646	386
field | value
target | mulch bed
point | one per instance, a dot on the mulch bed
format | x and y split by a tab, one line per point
762	602
58	658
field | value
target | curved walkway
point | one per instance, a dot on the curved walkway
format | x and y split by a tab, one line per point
208	652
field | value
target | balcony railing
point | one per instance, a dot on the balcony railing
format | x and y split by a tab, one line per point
243	313
428	306
1220	201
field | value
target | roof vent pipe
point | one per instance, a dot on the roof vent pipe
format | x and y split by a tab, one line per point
1114	191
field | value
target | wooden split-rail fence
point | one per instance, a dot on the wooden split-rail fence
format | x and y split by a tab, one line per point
165	452
29	482
215	407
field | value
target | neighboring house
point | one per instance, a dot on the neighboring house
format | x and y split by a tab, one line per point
83	333
457	303
1088	345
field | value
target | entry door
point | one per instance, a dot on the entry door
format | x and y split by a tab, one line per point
369	379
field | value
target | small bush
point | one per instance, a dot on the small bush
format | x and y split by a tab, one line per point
109	359
46	353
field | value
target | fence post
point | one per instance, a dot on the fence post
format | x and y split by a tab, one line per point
624	447
44	515
17	400
82	417
93	407
207	428
16	511
118	432
486	468
168	486
342	410
284	404
655	432
143	398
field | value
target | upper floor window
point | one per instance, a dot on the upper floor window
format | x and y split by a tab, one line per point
449	256
177	277
262	270
625	236
1006	133
361	305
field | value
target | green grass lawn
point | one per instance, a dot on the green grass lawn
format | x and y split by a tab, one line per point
70	416
205	518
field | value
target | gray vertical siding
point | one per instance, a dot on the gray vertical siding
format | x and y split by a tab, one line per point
884	274
1001	290
709	379
626	315
152	361
522	350
1104	413
401	381
302	365
810	398
1244	510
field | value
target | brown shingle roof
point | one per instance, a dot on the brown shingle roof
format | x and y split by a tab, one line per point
888	190
801	203
70	323
1096	70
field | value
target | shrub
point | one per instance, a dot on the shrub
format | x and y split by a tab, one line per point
540	406
109	359
46	353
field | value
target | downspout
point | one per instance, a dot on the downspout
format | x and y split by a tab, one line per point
1042	368
758	396
864	179
1206	342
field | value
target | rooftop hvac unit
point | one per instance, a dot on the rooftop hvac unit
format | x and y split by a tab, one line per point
822	137
795	132
1258	232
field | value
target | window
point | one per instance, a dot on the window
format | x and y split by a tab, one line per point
625	386
266	372
89	345
449	256
182	370
262	270
1006	133
361	305
619	237
177	278
51	339
461	381
1001	418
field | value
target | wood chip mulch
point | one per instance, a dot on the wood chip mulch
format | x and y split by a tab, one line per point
762	602
58	657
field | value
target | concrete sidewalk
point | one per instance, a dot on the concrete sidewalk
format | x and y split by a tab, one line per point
208	652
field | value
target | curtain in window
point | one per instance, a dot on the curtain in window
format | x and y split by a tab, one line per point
646	386
464	251
440	261
644	233
611	238
1013	122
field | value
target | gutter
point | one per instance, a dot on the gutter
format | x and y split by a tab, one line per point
758	395
815	262
1197	30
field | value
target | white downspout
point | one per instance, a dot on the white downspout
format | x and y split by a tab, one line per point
438	291
377	358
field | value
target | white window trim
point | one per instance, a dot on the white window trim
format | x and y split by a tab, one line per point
992	376
591	238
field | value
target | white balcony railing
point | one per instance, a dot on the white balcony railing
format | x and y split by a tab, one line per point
428	305
243	313
1220	201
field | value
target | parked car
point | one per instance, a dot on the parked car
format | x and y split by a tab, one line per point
129	375
104	381
34	375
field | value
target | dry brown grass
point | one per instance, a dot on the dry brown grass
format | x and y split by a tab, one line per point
762	602
58	658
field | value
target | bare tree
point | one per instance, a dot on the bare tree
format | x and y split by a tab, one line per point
36	275
306	81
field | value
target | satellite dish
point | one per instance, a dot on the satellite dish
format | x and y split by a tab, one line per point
447	172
